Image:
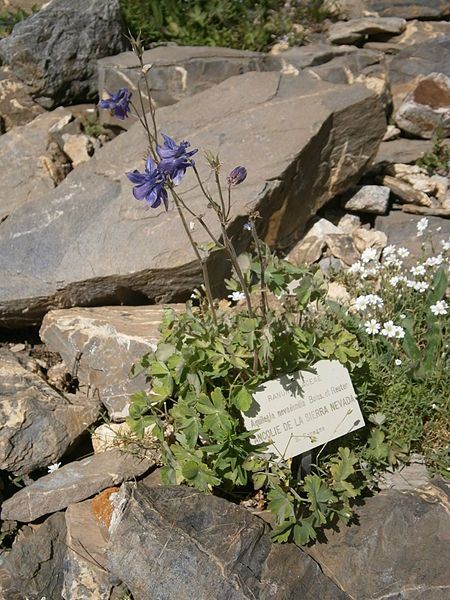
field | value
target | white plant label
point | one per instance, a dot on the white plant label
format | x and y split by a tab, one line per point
301	411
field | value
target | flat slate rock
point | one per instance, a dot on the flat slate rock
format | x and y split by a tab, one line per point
72	483
104	343
33	568
174	542
403	150
90	243
349	32
177	72
432	56
398	550
38	424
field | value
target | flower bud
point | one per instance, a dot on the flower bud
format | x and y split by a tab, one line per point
237	176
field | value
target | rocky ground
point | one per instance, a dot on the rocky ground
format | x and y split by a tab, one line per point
330	133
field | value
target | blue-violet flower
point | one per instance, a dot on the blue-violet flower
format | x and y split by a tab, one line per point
118	103
174	158
149	186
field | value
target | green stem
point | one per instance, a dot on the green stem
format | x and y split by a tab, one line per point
197	254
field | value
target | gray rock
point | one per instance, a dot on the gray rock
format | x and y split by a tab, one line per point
349	32
401	151
399	548
38	423
417	32
369	199
427	107
16	105
72	483
307	251
201	546
176	72
401	230
364	66
341	246
58	62
301	57
104	343
33	568
29	165
85	566
420	59
406	192
407	478
97	245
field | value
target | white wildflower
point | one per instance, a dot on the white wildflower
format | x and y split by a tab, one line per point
361	303
434	261
403	252
389	329
389	251
394	281
369	254
434	406
440	308
421	226
402	316
54	467
398	362
236	296
372	327
410	283
374	300
356	267
399	332
421	286
417	271
445	245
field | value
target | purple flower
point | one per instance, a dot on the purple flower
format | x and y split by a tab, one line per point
237	176
118	103
149	186
174	158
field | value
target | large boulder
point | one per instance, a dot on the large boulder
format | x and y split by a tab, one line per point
104	343
302	140
175	542
399	549
38	423
55	51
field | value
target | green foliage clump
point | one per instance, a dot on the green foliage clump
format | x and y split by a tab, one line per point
437	161
10	18
203	374
241	24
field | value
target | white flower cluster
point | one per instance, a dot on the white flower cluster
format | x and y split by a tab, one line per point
440	308
362	303
388	329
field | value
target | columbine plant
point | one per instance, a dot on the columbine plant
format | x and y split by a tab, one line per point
212	357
